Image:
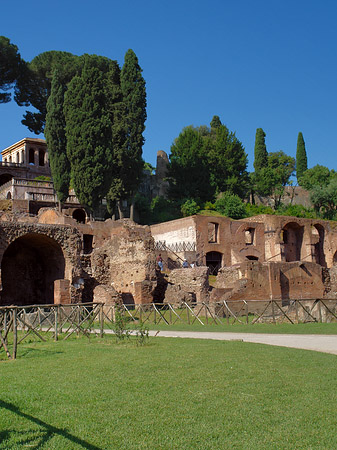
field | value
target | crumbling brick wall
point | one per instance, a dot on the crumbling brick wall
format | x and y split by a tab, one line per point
187	285
126	261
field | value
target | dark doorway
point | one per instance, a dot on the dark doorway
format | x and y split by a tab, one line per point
213	261
29	267
4	178
79	215
292	240
319	246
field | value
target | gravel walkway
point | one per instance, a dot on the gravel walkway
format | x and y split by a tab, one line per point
318	342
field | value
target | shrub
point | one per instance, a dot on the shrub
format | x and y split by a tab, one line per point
231	205
189	208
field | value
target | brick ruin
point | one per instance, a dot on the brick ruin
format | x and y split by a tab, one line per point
48	256
52	258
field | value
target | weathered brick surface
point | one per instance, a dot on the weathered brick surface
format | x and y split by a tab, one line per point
280	281
126	261
187	285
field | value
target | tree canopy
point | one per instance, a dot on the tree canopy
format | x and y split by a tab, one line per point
205	161
34	86
272	179
11	67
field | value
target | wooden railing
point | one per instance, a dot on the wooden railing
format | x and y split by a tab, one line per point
42	322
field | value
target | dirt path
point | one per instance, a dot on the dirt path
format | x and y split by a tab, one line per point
318	342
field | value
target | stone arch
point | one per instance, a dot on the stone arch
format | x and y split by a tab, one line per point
292	237
79	215
9	195
214	261
5	177
47	242
29	267
318	232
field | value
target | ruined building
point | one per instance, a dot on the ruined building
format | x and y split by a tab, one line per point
48	256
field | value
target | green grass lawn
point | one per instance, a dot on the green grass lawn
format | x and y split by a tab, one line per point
170	394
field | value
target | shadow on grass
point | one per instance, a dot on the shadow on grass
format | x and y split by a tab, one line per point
35	439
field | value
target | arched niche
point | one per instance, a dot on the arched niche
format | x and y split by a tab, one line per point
318	232
292	236
79	215
29	267
214	262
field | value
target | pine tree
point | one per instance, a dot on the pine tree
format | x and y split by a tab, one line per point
260	150
55	135
301	157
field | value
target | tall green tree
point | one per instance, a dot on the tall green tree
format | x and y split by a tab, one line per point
11	66
272	179
55	135
301	158
130	152
227	161
88	109
215	122
260	150
34	84
188	170
317	176
205	161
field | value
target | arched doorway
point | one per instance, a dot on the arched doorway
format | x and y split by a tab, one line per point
213	261
29	267
79	215
4	178
292	240
319	231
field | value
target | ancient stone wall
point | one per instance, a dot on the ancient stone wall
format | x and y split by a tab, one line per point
126	261
253	280
187	285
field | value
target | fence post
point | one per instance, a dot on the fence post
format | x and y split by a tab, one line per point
247	313
5	326
56	311
101	320
273	310
15	333
320	310
296	310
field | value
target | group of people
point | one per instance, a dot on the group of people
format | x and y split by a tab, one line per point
160	263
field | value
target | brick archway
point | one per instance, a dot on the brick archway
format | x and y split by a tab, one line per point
29	267
50	252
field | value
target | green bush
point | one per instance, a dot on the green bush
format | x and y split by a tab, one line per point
189	208
231	205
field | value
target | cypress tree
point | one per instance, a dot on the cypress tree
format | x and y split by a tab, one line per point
90	129
56	139
260	150
131	140
301	157
134	99
215	123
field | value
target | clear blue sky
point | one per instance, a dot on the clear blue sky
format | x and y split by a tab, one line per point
269	64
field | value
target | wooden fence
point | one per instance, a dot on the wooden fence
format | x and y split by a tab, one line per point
17	323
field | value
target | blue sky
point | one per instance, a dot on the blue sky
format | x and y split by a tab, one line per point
267	64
